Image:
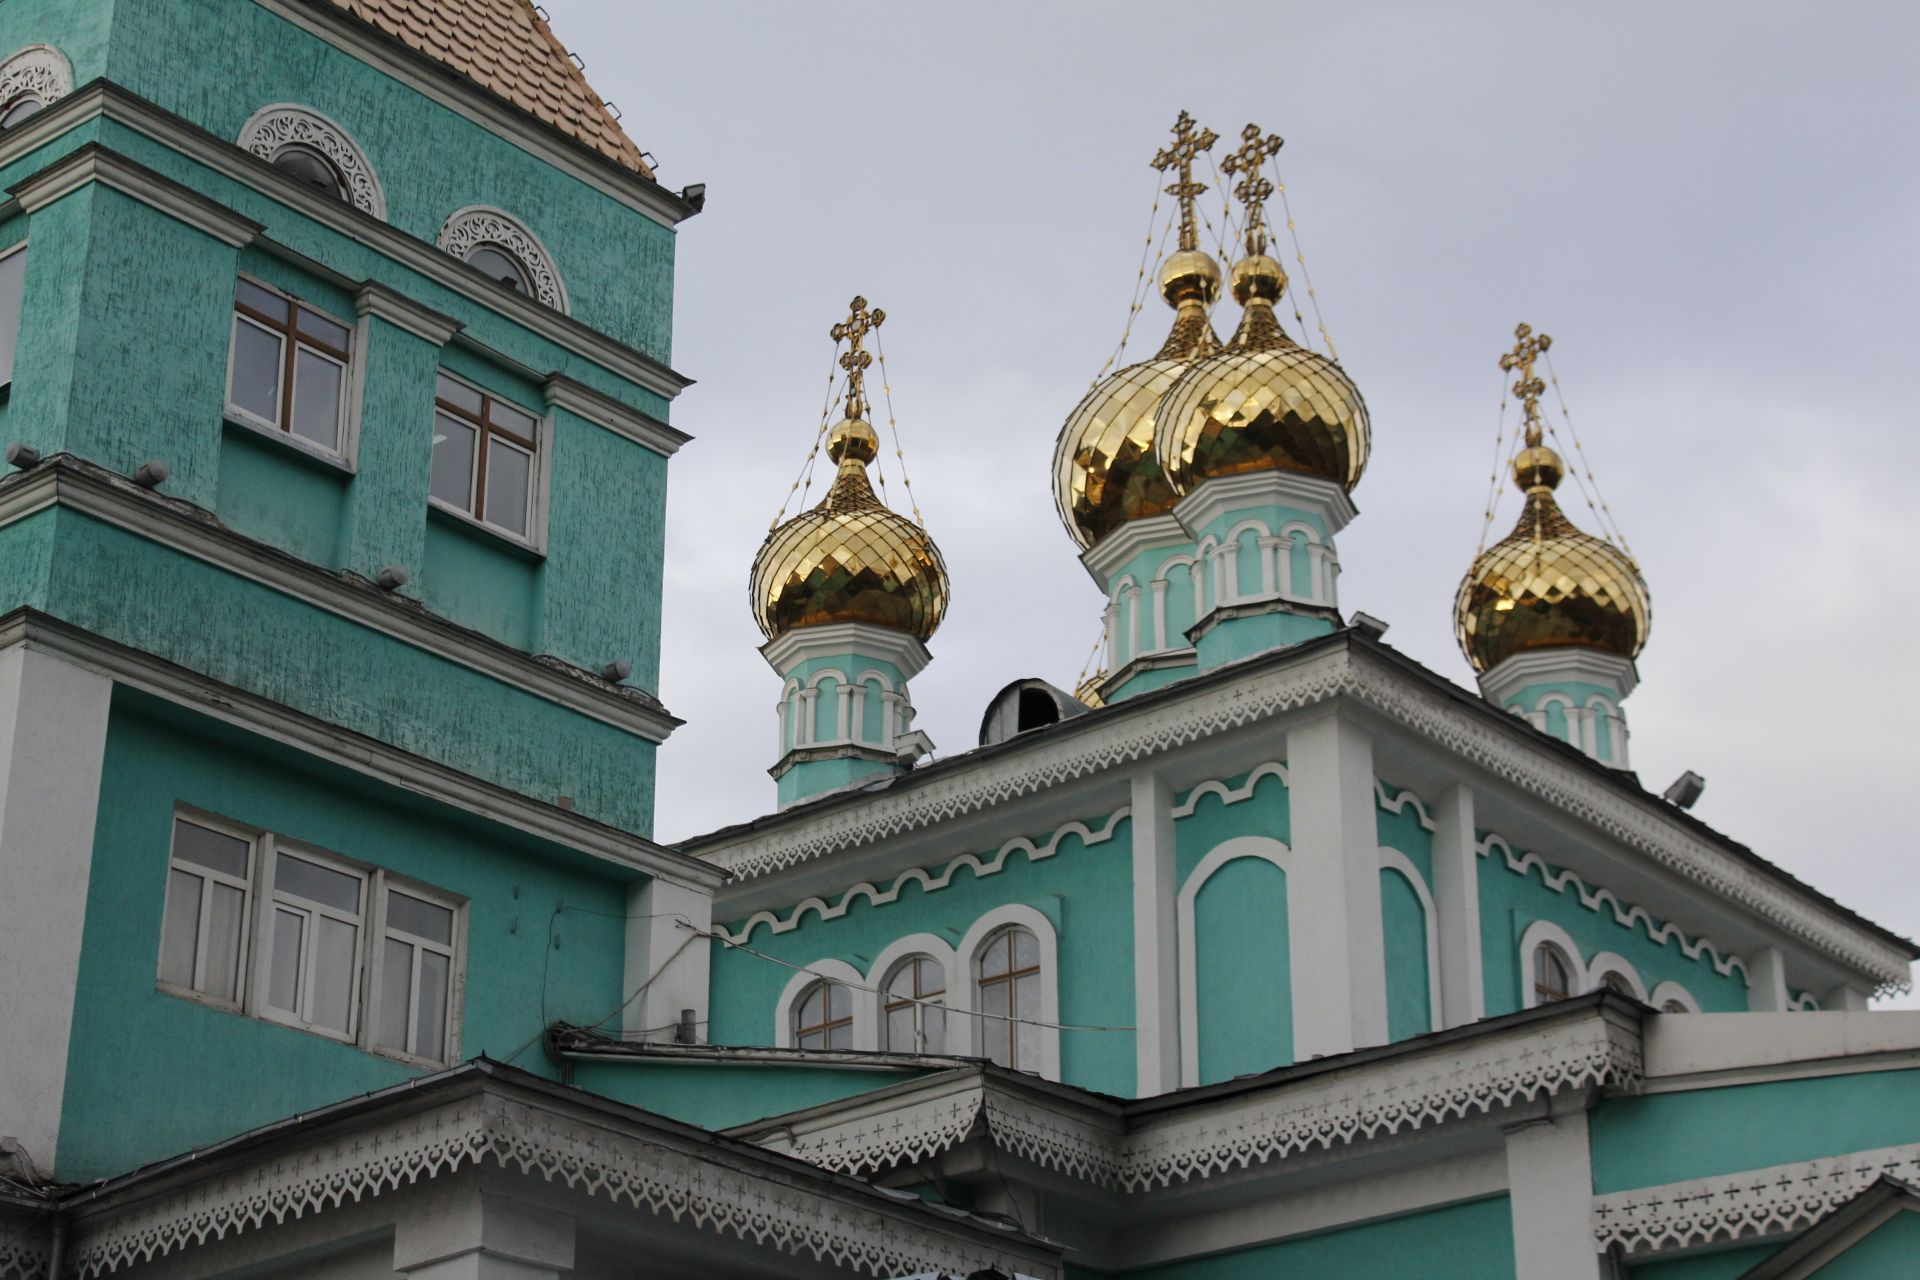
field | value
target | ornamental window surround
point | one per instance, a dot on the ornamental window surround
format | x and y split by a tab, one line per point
485	458
1552	974
823	1016
287	369
506	251
315	152
13	276
276	930
913	1013
1007	975
31	80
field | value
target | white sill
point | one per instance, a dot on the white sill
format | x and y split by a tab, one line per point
464	522
300	445
409	1060
280	1018
199	997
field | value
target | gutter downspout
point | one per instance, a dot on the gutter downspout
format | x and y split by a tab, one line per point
57	1249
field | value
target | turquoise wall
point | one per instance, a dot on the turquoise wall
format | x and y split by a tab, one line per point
1243	977
1472	1241
1893	1249
1404	927
718	1095
152	1074
1669	1137
81	29
1213	821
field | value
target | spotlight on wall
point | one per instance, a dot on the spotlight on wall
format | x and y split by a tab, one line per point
695	194
393	577
1685	789
617	670
152	474
22	456
1367	625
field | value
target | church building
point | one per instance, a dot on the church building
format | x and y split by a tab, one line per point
340	941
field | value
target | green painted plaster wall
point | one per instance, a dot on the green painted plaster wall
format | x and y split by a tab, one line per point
1669	1137
1727	1264
1404	831
1213	821
1243	976
1404	926
719	1096
811	778
152	1074
80	29
271	491
1472	1241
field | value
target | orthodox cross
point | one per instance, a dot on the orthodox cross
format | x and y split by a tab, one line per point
1528	346
1253	188
855	359
1186	148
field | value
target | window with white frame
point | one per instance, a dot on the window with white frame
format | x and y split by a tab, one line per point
13	275
823	1017
1007	990
281	931
1552	974
288	368
913	1012
483	456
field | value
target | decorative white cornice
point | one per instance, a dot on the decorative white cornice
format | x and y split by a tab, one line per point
1230	795
1539	666
683	1176
1222	494
1129	732
280	125
102	99
396	308
830	639
1748	1205
1398	802
189	530
604	411
95	163
1109	555
476	225
23	1248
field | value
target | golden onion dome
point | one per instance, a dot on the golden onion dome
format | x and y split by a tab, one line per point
1263	403
1547	585
850	559
1105	470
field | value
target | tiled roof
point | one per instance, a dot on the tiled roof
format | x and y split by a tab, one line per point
506	48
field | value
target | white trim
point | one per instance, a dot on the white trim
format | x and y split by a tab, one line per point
1221	495
1266	849
539	464
396	308
1606	962
610	414
39	71
1131	539
1550	1181
1230	795
479	225
934	948
963	1033
827	970
835	639
279	126
1392	859
1547	931
92	162
1544	666
345	452
1670	990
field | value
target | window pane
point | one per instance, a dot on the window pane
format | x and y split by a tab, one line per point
316	397
20	109
500	265
13	270
283	983
256	370
396	990
306	166
812	1040
840	1037
994	961
508	418
334	965
1026	950
316	883
315	325
452	479
902	984
418	917
839	1002
932	977
458	393
265	301
508	470
430	1035
994	1039
896	1033
180	928
935	1029
208	848
225	918
811	1005
1027	1049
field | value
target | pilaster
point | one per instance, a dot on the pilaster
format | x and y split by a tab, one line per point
464	1231
1456	900
1767	981
1156	985
1550	1183
667	959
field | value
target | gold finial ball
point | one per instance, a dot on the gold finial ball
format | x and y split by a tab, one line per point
852	438
1538	467
1190	276
1258	276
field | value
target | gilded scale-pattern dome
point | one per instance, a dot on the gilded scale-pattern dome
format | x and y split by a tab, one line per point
1548	585
850	559
1105	470
1263	403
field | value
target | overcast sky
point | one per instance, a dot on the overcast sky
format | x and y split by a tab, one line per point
1713	208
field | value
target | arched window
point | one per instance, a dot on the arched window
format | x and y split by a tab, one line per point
1674	1006
823	1017
500	266
309	167
19	109
506	251
1617	983
315	152
913	1015
1007	977
31	79
1552	974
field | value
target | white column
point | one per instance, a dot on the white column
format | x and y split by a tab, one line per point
1285	557
1767	981
1318	557
1159	589
1620	758
463	1232
1337	948
53	734
857	713
1113	634
889	718
781	711
1271	550
1550	1181
1456	901
1156	984
1226	573
1846	999
667	957
843	721
803	737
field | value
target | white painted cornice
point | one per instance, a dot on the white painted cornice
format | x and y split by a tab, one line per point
94	163
1109	555
604	411
832	639
187	529
1537	666
1216	497
396	308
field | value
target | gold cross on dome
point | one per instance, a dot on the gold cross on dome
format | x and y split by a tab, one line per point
1187	147
855	359
1528	346
1253	188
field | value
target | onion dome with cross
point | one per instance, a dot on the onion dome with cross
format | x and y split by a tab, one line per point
1263	403
1105	471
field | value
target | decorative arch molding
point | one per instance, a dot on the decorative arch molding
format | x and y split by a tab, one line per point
1230	795
1265	848
1541	932
1393	860
963	1031
930	945
478	224
1677	994
1397	803
277	126
1607	962
38	70
866	1035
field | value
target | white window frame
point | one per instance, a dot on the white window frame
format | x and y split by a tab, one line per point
209	875
1543	931
871	1001
6	383
831	971
455	951
535	538
264	922
963	1025
352	383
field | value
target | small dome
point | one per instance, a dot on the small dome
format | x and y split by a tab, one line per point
1262	404
1548	585
850	559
